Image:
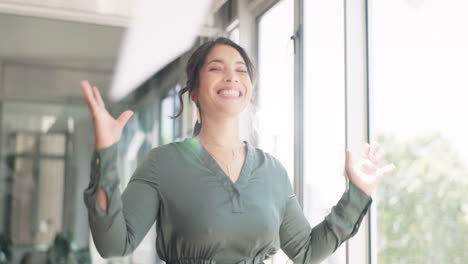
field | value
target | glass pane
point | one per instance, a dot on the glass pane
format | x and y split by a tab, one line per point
419	68
276	88
53	144
167	123
32	206
276	84
22	142
188	118
50	199
23	202
324	95
178	121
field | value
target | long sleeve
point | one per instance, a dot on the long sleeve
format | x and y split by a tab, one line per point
304	244
119	230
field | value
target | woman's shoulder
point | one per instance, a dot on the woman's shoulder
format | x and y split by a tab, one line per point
172	151
164	149
266	159
262	154
272	167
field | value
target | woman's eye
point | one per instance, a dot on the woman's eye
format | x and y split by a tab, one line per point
215	69
241	70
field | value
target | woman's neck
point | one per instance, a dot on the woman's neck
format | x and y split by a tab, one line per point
220	132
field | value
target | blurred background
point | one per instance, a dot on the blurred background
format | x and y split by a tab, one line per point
332	74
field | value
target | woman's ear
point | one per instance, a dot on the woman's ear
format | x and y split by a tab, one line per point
194	92
194	97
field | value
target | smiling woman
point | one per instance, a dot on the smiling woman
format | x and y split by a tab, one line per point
215	198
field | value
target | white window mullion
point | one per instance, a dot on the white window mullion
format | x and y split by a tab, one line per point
299	100
357	105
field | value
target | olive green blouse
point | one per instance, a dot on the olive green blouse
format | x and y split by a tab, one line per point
203	217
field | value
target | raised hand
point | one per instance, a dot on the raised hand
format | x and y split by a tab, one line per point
107	130
366	173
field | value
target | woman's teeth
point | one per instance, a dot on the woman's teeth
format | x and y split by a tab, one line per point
232	93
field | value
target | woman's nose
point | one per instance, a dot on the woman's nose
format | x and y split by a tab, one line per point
230	76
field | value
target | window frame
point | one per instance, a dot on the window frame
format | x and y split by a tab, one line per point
357	109
357	106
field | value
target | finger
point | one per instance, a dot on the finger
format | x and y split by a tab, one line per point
349	159
98	97
381	172
89	97
378	156
365	150
124	117
373	149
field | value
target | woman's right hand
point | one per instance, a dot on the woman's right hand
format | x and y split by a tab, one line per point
107	130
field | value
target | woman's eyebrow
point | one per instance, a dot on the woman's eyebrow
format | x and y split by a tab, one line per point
221	61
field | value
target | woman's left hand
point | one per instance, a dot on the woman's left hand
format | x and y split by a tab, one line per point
366	173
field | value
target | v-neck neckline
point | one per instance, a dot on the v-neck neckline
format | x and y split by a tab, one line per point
234	189
215	167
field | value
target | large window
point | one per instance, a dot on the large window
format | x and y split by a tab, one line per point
41	147
181	127
167	123
418	73
36	162
324	111
275	94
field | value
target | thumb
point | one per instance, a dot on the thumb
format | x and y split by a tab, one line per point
124	117
348	165
385	170
349	159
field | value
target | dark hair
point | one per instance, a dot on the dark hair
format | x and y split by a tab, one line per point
196	62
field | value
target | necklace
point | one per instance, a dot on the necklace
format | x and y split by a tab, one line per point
236	151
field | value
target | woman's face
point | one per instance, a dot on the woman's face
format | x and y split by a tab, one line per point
225	87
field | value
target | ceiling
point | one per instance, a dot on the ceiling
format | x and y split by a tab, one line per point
51	55
57	42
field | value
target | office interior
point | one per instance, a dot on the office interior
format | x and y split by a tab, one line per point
332	75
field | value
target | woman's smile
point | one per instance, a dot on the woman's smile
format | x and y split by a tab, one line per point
229	93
